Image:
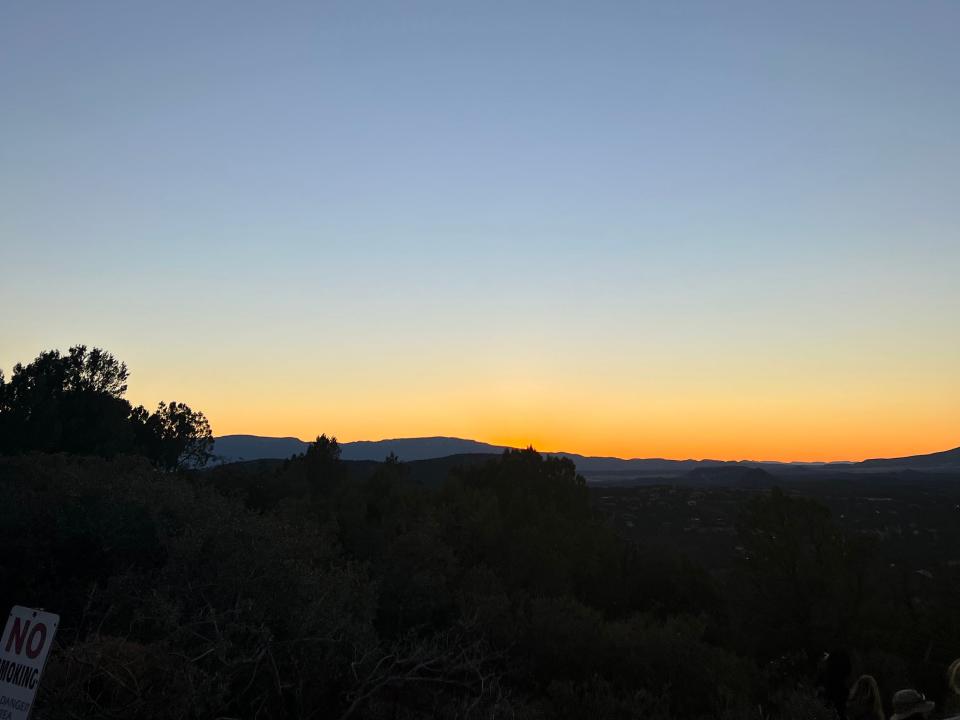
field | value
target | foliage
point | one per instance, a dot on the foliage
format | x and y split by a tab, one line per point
303	589
176	601
69	403
75	403
174	437
803	575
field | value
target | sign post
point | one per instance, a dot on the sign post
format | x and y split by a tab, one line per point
24	647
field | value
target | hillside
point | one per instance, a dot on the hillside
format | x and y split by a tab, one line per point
234	448
946	461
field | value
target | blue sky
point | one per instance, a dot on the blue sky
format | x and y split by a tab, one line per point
654	210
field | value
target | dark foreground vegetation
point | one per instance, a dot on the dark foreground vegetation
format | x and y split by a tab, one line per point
304	590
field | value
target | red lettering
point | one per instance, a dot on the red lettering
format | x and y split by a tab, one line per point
33	649
18	635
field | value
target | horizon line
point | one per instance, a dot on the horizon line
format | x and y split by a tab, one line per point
604	457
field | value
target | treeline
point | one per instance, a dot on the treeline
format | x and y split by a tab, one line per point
75	403
498	595
295	590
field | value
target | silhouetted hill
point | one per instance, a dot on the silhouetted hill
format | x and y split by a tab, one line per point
233	448
237	448
738	476
431	472
239	477
410	449
946	461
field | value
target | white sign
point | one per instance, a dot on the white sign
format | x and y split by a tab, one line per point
26	641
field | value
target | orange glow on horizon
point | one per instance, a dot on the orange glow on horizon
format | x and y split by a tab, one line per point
749	421
858	444
476	225
755	402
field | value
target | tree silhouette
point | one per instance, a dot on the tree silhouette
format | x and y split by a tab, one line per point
95	371
174	437
801	570
67	403
74	403
324	471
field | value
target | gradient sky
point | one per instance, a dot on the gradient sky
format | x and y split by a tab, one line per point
672	229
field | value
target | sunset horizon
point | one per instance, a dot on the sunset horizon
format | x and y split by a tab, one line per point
847	423
480	361
546	447
548	227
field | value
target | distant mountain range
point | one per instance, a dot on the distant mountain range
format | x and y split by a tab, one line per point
946	461
231	448
234	448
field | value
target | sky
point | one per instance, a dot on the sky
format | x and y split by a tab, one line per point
676	229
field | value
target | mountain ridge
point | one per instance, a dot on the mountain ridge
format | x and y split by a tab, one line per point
232	448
